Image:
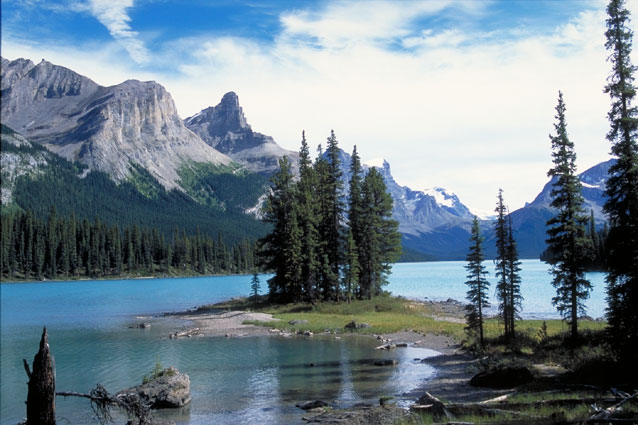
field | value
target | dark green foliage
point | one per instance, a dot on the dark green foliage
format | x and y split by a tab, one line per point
255	286
281	248
622	186
477	284
61	247
331	230
566	231
507	264
381	241
96	195
306	248
308	211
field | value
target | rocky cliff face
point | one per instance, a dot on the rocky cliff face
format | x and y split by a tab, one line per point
106	128
18	158
225	128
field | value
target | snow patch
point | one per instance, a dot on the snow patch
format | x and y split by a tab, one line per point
440	196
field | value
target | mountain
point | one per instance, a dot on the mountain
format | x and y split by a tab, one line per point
529	222
116	130
36	179
434	223
224	127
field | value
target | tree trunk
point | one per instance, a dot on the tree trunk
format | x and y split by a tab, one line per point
41	396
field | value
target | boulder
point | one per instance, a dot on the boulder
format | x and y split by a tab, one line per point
355	325
140	326
298	322
507	377
168	389
312	405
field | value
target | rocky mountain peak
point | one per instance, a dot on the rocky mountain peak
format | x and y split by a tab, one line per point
107	128
225	128
14	70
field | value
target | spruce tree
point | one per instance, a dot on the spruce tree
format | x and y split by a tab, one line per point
501	263
255	286
381	241
566	230
622	185
331	231
281	248
514	277
308	222
355	243
478	285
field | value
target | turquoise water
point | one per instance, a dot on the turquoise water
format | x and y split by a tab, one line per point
233	380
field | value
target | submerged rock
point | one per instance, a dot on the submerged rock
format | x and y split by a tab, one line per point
168	389
385	362
312	405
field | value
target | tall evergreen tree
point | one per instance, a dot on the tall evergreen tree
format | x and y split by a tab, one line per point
566	230
622	186
381	240
281	248
477	283
355	235
331	229
501	262
514	277
308	222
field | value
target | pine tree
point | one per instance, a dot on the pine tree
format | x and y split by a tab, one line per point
255	285
478	285
501	262
281	248
566	231
355	242
308	221
332	225
514	278
381	241
622	186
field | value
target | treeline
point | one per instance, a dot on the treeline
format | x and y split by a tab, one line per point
325	245
61	247
140	200
595	257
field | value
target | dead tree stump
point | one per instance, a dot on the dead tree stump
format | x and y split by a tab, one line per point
41	396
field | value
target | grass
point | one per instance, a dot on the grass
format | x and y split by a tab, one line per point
387	314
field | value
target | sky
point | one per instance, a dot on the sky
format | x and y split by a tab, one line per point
454	94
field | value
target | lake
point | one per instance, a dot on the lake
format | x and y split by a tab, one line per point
232	380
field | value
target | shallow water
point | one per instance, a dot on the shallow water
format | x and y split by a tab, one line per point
233	380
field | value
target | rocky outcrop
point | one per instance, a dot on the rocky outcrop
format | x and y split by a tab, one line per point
168	389
106	128
225	128
17	158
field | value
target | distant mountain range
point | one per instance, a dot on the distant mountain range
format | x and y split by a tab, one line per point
131	133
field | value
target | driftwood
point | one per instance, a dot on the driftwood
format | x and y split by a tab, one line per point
498	406
41	395
102	402
605	414
188	333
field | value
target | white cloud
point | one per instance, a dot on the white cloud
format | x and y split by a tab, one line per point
114	16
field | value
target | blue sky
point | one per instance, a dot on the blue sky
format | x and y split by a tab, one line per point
458	94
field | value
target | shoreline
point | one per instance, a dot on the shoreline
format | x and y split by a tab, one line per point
453	366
